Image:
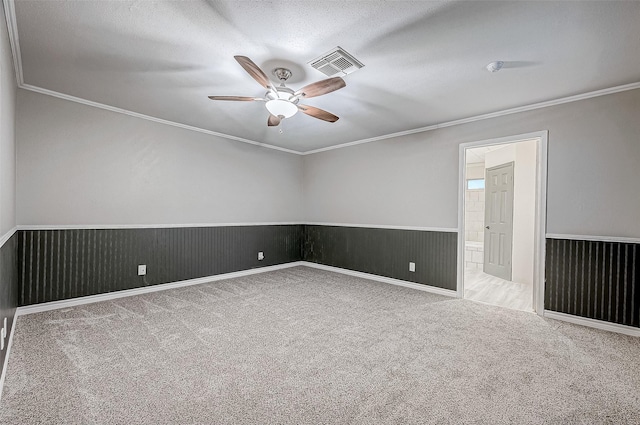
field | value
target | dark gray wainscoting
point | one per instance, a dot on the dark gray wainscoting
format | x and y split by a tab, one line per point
593	279
8	288
61	264
386	252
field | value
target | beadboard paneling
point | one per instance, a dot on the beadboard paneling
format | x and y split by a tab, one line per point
386	252
594	279
61	264
8	288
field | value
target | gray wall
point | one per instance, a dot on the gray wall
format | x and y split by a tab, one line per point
7	133
407	181
80	165
594	152
8	263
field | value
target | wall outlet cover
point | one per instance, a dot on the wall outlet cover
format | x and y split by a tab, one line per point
260	255
412	267
142	269
3	333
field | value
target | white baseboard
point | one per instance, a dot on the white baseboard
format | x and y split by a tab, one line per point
6	355
593	323
406	284
55	305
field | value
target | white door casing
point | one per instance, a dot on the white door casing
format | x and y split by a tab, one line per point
498	231
542	138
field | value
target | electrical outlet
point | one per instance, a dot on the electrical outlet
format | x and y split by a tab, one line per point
260	256
412	267
142	269
3	333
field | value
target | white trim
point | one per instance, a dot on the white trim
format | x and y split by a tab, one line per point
56	305
593	238
12	27
6	354
525	108
4	238
142	226
462	186
406	284
275	223
592	323
542	139
385	226
17	58
539	278
496	114
151	118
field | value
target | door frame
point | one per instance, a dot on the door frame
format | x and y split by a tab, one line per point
541	138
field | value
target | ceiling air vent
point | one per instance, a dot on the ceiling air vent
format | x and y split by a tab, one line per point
336	62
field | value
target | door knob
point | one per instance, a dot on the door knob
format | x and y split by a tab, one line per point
486	227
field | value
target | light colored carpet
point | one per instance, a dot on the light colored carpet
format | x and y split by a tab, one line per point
303	346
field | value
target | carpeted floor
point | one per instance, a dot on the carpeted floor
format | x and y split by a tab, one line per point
303	346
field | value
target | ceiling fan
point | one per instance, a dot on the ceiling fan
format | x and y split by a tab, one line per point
281	101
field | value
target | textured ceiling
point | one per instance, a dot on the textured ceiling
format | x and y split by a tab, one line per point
424	61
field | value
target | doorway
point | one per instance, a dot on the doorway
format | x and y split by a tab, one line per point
501	221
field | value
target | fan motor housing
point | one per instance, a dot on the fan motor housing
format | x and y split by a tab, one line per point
282	74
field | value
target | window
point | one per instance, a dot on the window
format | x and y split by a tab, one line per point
475	184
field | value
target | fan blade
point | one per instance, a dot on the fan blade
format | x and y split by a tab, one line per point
273	121
321	87
321	114
255	71
241	98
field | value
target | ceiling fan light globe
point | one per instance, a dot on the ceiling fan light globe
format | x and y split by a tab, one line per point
281	107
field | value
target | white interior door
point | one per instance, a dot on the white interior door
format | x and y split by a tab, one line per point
498	220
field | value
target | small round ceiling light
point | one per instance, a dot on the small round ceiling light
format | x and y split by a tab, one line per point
495	66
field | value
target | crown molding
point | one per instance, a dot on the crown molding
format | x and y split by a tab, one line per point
9	7
12	27
516	110
14	40
561	101
151	118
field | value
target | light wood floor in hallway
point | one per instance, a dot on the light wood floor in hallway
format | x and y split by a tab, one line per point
479	286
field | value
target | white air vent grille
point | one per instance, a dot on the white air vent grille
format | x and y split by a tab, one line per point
336	62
